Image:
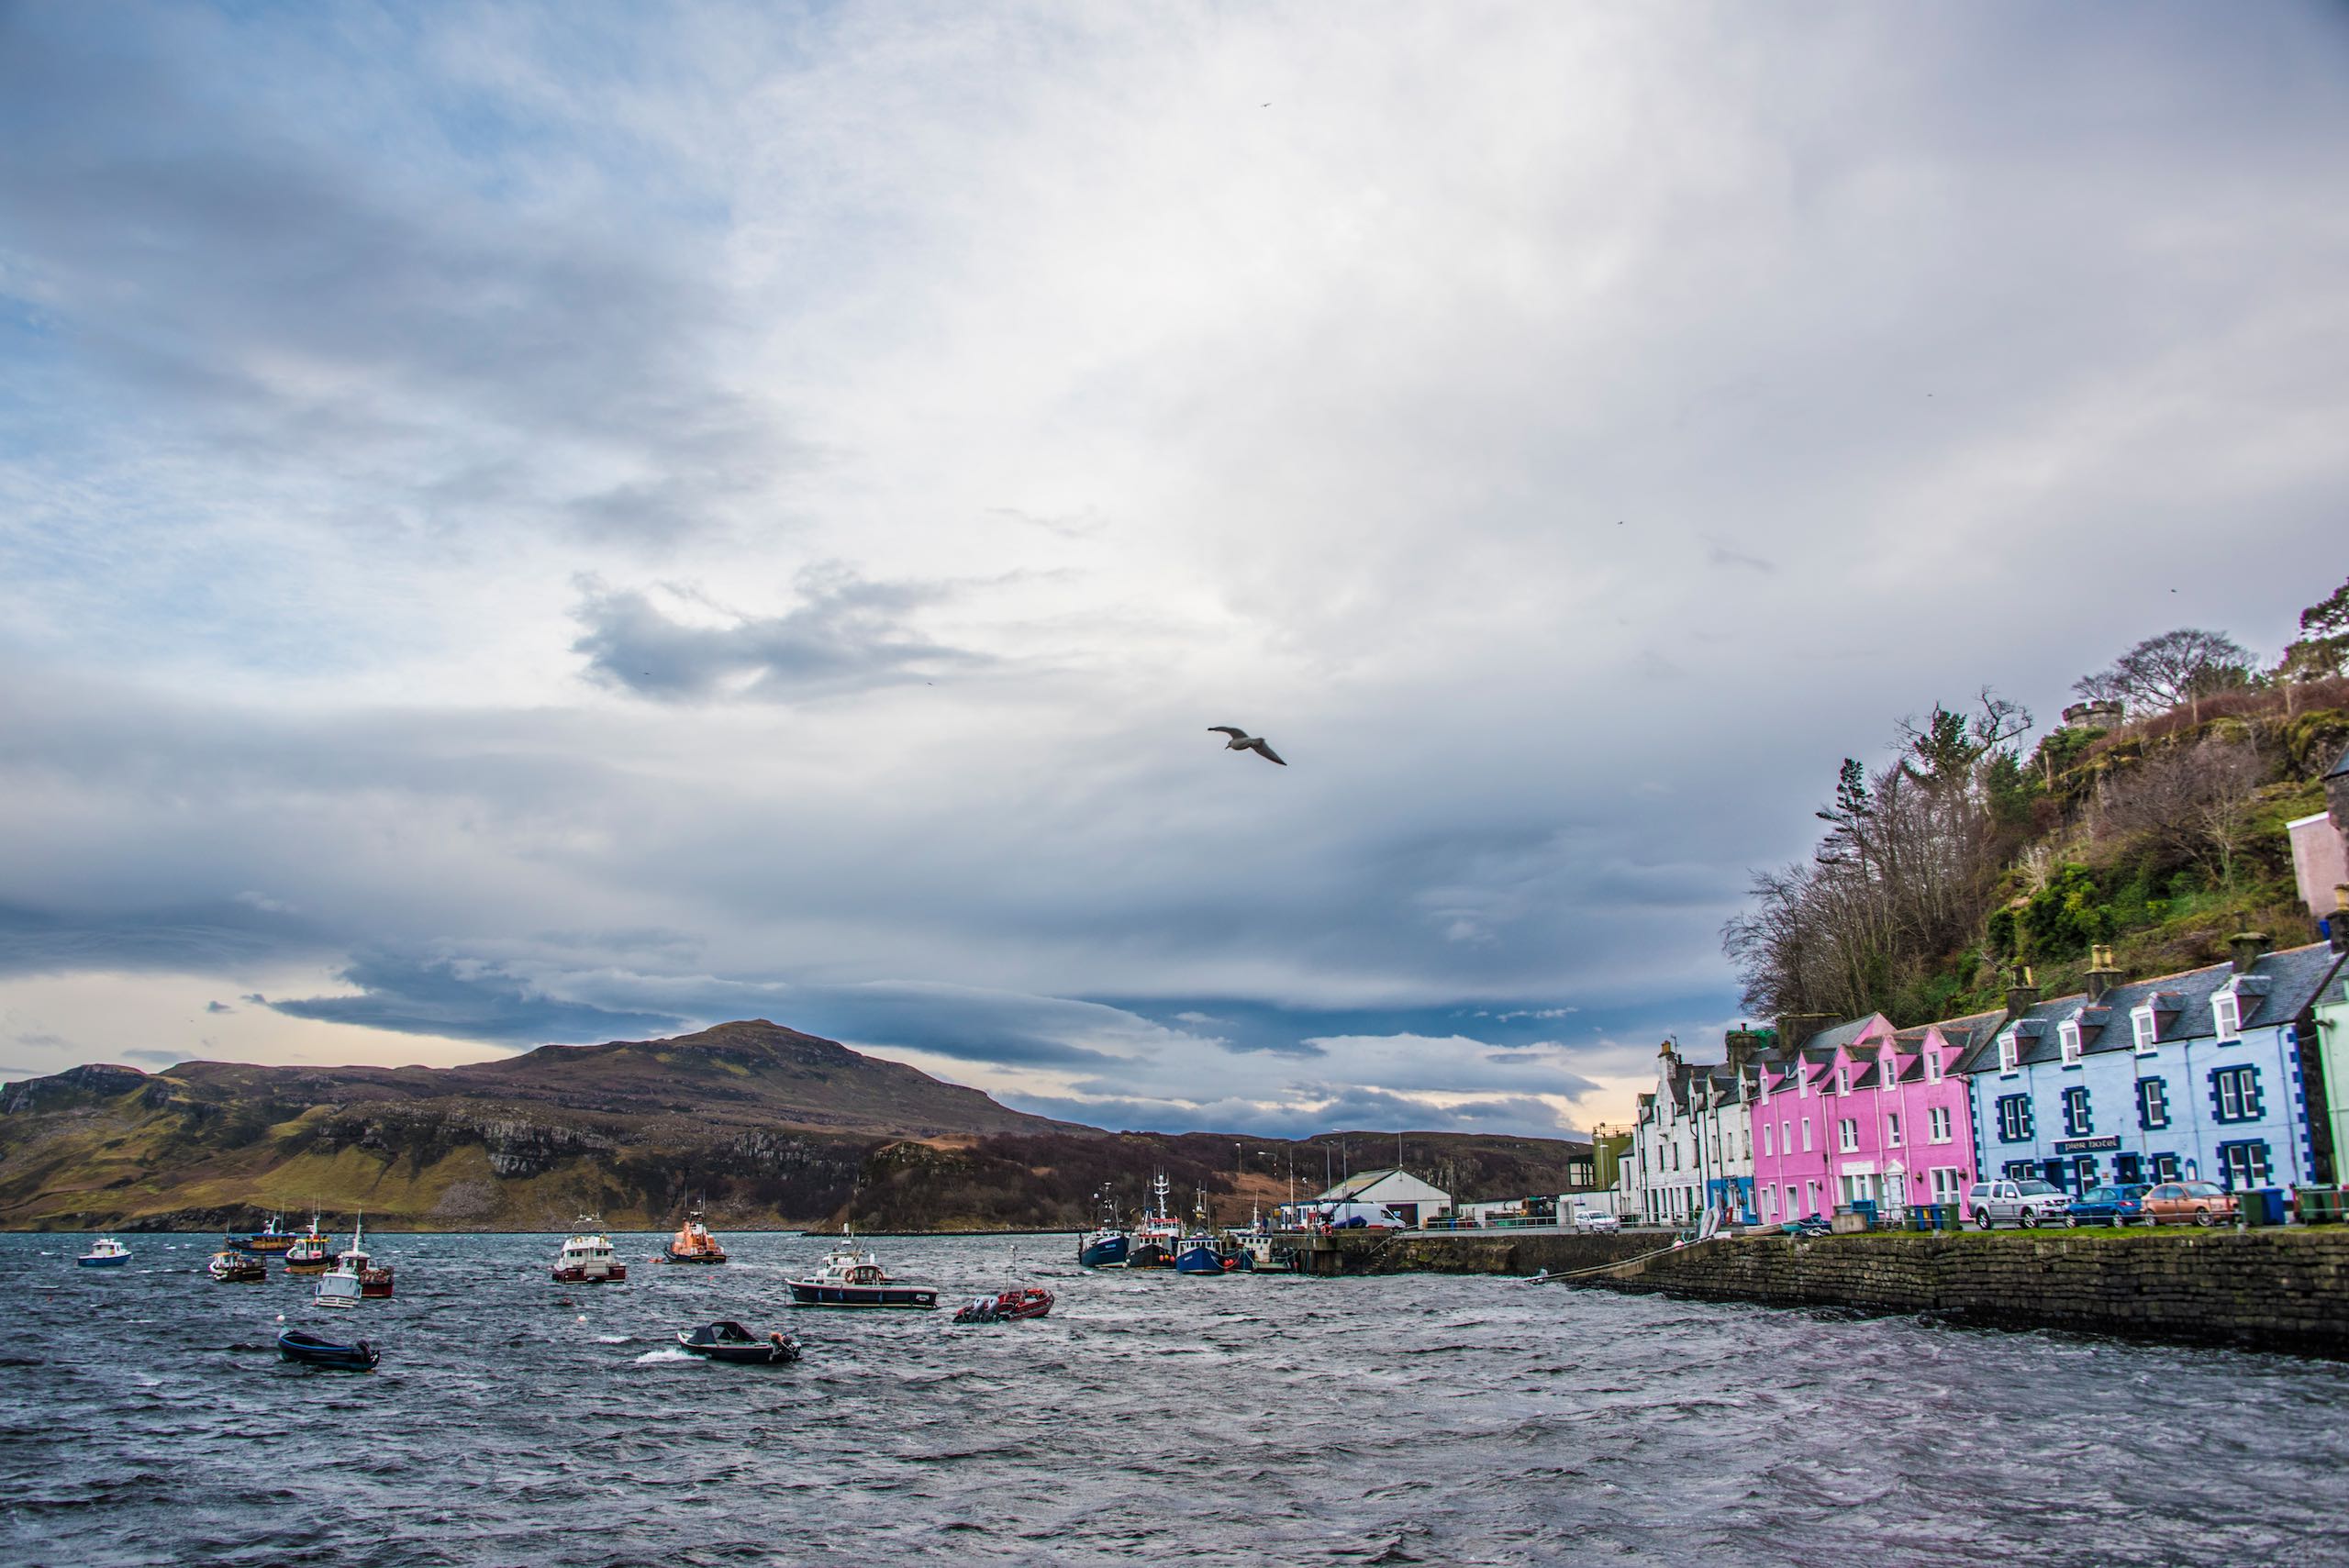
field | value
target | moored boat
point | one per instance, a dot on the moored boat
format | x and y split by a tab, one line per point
1158	1236
270	1240
1018	1301
105	1252
693	1243
1106	1244
345	1285
587	1257
233	1267
851	1278
295	1345
311	1252
725	1341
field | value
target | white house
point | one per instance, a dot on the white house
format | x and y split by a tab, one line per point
1691	1145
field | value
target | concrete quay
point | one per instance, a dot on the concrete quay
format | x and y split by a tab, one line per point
2282	1289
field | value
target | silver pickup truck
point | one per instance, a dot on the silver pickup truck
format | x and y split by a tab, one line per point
2027	1204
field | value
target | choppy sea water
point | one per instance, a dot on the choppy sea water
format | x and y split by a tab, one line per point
144	1418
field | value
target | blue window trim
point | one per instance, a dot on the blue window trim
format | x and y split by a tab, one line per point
2079	1118
2244	1080
2153	1095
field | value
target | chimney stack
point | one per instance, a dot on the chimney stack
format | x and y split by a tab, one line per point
1744	1044
1664	1050
2249	948
2339	925
2102	975
2023	991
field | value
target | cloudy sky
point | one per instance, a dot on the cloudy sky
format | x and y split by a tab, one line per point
566	522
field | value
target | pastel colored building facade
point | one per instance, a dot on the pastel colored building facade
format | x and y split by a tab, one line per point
1864	1113
1691	1146
2331	1016
2199	1075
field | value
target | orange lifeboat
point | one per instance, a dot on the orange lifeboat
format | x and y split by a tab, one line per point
693	1243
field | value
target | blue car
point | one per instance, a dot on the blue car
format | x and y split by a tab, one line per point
2121	1205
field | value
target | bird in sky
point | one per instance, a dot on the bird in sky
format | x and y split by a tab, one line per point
1243	741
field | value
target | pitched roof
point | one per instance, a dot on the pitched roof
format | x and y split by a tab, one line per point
2273	991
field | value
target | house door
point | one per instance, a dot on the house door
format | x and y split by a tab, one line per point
2084	1173
2057	1173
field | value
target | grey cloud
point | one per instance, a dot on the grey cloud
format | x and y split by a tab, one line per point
846	635
218	1007
469	1000
159	1057
196	937
1720	554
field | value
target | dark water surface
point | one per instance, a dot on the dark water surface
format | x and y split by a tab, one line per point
144	1418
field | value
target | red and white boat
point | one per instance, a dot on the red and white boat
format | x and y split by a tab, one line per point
1020	1301
587	1257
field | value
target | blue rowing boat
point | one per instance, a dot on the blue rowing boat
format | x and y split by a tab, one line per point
311	1351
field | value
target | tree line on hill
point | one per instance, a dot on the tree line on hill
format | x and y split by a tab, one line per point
2152	818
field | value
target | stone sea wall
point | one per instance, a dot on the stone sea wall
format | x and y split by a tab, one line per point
2284	1289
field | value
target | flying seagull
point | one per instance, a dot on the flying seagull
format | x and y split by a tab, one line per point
1243	741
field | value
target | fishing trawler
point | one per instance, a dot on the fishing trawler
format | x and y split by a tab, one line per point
105	1252
693	1243
269	1241
854	1278
344	1286
587	1257
1158	1236
1105	1246
311	1252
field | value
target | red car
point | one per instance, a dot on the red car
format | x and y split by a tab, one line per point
2183	1203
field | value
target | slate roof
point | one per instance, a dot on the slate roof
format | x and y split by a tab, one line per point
2274	991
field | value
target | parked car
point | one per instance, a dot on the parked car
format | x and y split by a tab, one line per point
2190	1203
1597	1219
2117	1204
2027	1204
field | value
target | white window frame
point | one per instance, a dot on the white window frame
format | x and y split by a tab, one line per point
1937	1123
2145	1030
1847	1135
2010	1052
2067	1041
1932	1061
1843	1079
2226	1015
1805	1135
1767	1149
1892	1129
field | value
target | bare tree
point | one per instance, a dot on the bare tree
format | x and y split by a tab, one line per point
2171	670
2194	801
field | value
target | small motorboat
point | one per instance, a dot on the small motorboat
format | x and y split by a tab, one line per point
729	1342
693	1243
587	1257
851	1278
105	1253
295	1345
1018	1301
233	1267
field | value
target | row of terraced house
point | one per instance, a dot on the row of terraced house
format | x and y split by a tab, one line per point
2236	1073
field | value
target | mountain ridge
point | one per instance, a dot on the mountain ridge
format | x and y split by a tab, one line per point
774	1127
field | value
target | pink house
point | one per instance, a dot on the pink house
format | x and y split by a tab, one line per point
1863	1112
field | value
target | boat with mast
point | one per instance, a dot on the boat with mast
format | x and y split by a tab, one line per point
271	1241
1105	1245
1158	1235
232	1267
344	1286
853	1278
311	1252
693	1243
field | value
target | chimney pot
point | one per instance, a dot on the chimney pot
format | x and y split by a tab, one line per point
2102	975
2023	991
2249	948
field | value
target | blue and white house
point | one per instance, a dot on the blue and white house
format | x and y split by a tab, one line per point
2195	1075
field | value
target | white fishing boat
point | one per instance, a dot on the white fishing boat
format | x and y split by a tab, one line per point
105	1253
345	1285
852	1277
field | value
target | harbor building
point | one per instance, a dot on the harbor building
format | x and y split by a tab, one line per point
1864	1113
2195	1075
1413	1201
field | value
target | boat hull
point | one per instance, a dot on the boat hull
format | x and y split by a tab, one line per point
1104	1252
1150	1255
311	1351
1199	1261
261	1246
736	1352
671	1255
616	1275
101	1263
240	1276
812	1293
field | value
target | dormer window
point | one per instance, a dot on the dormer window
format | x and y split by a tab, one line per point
1933	1059
1766	1086
2010	1052
1843	1079
2067	1037
2145	1029
2226	1012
